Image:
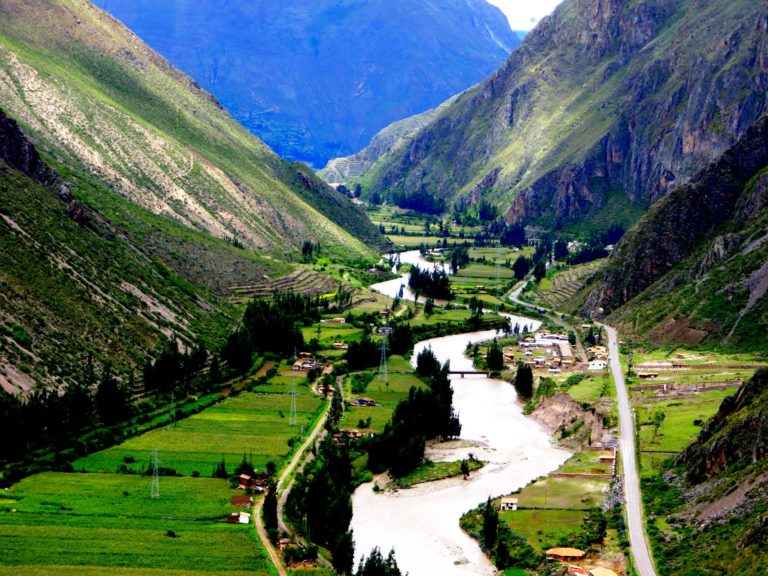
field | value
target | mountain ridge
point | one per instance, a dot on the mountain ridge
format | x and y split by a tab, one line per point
601	98
89	93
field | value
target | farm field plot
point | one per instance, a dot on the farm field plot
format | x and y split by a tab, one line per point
544	528
592	389
682	421
475	270
411	242
301	281
563	493
71	524
331	332
255	424
564	285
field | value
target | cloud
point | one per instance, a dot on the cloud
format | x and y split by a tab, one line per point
525	14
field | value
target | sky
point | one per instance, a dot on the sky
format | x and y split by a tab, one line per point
523	15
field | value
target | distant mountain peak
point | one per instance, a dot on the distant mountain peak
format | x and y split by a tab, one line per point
316	79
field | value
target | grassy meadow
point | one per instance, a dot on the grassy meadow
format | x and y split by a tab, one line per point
73	524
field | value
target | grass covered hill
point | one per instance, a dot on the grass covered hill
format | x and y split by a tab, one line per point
604	106
694	268
76	289
100	104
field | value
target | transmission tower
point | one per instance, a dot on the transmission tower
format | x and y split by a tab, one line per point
293	420
383	374
155	492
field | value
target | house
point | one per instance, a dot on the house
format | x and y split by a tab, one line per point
597	365
242	501
256	483
555	370
577	571
364	402
384	331
508	503
648	375
333	321
239	518
340	346
600	571
303	364
565	554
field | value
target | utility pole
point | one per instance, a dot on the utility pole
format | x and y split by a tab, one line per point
293	420
155	491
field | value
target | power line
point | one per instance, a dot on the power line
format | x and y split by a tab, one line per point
383	373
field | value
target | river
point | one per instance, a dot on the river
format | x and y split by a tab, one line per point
422	523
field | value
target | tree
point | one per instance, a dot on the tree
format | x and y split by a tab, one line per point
495	357
539	271
377	565
487	211
465	468
490	525
521	267
524	380
571	338
112	402
307	248
270	509
561	250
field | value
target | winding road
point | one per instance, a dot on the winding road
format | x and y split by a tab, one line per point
287	473
641	553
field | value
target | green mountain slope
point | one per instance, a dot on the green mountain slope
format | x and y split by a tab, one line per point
603	100
95	99
74	286
695	268
709	515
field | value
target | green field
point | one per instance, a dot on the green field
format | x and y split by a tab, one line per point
387	395
254	423
563	493
80	524
544	529
330	333
677	429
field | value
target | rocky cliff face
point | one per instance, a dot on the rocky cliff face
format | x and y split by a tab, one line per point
605	96
677	226
19	153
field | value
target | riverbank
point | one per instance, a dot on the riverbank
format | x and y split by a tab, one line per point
422	523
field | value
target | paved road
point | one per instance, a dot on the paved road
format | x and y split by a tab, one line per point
639	543
634	504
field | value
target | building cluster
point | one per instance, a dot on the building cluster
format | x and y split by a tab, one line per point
545	351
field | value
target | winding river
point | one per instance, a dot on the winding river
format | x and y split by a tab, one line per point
422	523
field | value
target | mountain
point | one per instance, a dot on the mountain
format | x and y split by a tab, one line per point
604	108
695	268
76	289
341	170
97	100
131	202
316	79
707	515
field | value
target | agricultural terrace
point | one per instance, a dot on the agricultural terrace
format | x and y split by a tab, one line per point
407	229
676	392
69	524
562	283
254	423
